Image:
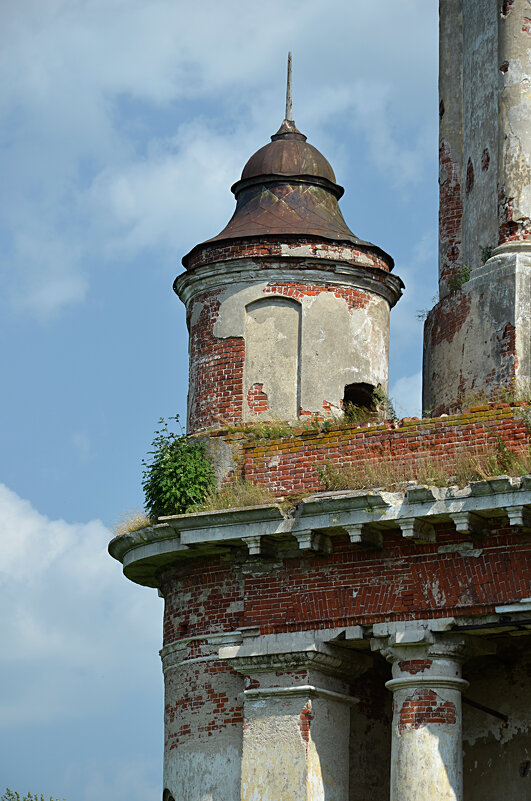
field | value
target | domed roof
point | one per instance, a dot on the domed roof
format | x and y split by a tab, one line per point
288	153
287	189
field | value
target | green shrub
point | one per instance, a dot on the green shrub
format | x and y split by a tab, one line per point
179	474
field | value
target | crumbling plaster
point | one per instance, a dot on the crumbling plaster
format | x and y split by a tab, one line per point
487	343
515	114
201	753
353	337
481	78
497	754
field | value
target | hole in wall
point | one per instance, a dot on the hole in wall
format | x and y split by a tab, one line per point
524	768
469	177
361	395
167	796
506	7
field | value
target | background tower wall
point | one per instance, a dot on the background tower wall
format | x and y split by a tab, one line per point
477	336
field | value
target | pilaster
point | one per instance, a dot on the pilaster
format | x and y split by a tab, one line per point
296	717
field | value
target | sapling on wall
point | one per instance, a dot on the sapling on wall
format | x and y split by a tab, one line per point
179	474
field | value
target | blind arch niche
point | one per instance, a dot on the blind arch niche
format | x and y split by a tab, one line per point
272	359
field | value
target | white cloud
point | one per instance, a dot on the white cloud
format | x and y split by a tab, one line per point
120	780
406	395
174	197
73	72
67	610
81	442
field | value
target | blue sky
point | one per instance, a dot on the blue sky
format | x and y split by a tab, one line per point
124	124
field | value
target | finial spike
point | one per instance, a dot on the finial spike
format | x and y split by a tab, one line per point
289	99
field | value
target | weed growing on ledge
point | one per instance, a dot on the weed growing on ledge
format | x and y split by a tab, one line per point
515	393
131	521
481	465
179	474
235	495
486	253
458	278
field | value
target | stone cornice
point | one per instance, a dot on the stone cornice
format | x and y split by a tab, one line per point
299	651
221	275
365	516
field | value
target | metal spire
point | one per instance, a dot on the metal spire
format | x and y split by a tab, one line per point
288	129
289	99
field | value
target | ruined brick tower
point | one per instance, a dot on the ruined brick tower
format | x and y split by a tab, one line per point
478	336
288	311
338	644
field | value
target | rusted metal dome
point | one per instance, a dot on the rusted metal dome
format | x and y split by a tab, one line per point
287	189
288	153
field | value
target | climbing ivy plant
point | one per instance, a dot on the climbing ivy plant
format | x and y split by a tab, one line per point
179	473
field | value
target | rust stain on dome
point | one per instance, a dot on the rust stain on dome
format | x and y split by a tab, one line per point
287	188
288	153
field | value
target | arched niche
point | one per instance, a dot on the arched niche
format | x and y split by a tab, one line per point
272	359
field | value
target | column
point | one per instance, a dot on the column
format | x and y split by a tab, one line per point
450	138
296	718
426	753
514	121
203	717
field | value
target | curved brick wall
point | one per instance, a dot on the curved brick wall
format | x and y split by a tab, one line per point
215	390
351	586
216	382
224	378
309	247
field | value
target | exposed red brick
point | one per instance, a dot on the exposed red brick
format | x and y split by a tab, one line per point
511	230
305	720
485	160
264	249
257	399
414	666
215	391
443	439
348	587
425	707
354	298
447	317
203	709
450	208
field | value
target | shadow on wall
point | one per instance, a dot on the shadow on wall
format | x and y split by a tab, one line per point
497	754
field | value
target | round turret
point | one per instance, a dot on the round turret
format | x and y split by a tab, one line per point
288	310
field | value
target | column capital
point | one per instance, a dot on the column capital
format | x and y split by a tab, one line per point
294	652
415	643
